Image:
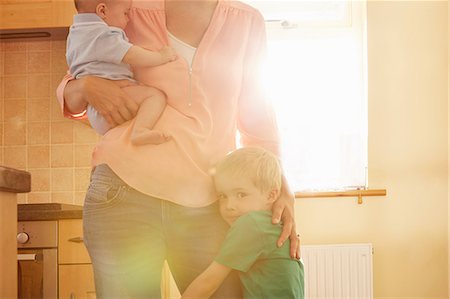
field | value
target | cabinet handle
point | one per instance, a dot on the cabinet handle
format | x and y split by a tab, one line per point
72	296
76	240
26	257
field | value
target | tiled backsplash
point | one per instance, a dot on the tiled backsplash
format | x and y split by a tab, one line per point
34	135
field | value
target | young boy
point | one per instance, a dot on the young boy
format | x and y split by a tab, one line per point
98	46
247	182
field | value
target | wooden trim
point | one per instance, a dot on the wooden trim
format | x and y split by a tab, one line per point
348	193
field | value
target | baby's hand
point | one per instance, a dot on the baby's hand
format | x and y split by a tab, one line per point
168	54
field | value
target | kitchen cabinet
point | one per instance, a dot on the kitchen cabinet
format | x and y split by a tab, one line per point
8	252
12	181
76	278
27	14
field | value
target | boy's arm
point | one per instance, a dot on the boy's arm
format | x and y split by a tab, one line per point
208	282
137	56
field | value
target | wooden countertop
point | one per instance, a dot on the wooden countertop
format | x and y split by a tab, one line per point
14	180
48	211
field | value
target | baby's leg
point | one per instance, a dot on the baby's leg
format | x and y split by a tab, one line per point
151	104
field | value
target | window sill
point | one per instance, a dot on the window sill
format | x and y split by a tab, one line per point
348	193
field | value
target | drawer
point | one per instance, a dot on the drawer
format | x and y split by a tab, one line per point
71	249
76	281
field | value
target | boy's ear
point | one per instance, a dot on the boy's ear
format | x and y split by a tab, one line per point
101	9
273	195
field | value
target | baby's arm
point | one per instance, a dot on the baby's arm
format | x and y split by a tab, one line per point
208	282
137	56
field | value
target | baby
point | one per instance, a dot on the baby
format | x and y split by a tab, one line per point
247	183
98	46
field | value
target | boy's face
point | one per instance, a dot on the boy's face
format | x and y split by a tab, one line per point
117	13
238	196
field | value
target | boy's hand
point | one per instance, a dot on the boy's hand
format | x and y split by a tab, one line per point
168	54
283	210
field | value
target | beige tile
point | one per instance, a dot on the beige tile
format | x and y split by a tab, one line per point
15	110
62	132
62	197
62	179
1	134
38	156
15	63
1	87
40	179
38	133
15	46
79	197
2	62
15	87
38	109
83	133
38	62
22	198
59	45
39	197
83	154
39	45
82	176
59	63
14	133
38	86
15	156
62	155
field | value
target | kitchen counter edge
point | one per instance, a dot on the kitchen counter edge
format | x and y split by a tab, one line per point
14	180
50	211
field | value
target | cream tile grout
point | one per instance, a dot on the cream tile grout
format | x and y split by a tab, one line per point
3	102
26	116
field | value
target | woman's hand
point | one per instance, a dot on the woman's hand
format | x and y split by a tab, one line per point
283	209
104	95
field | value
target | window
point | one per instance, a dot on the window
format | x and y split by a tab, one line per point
317	82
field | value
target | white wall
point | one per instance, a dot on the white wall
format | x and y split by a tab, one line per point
408	148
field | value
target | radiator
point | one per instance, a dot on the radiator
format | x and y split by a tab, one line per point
338	271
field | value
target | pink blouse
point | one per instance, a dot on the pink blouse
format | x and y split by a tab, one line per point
207	104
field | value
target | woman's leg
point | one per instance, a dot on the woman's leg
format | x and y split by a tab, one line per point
194	236
123	234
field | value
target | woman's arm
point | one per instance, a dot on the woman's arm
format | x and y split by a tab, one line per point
283	210
258	127
208	282
104	95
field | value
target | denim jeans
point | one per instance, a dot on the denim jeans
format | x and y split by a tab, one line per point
129	235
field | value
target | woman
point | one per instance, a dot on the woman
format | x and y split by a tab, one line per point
151	203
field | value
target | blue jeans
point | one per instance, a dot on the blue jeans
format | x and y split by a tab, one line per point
129	235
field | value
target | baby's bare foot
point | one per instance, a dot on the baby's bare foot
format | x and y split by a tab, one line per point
141	136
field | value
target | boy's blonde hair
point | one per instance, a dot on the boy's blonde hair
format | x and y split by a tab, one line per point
258	164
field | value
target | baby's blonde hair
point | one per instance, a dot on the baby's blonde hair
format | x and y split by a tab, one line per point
257	164
88	6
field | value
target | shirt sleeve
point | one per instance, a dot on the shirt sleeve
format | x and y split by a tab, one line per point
60	97
111	46
256	120
242	245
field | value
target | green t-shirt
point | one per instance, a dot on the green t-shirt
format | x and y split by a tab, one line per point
265	270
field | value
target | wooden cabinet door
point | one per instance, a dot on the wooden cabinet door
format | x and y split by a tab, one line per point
71	249
22	14
76	282
76	278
